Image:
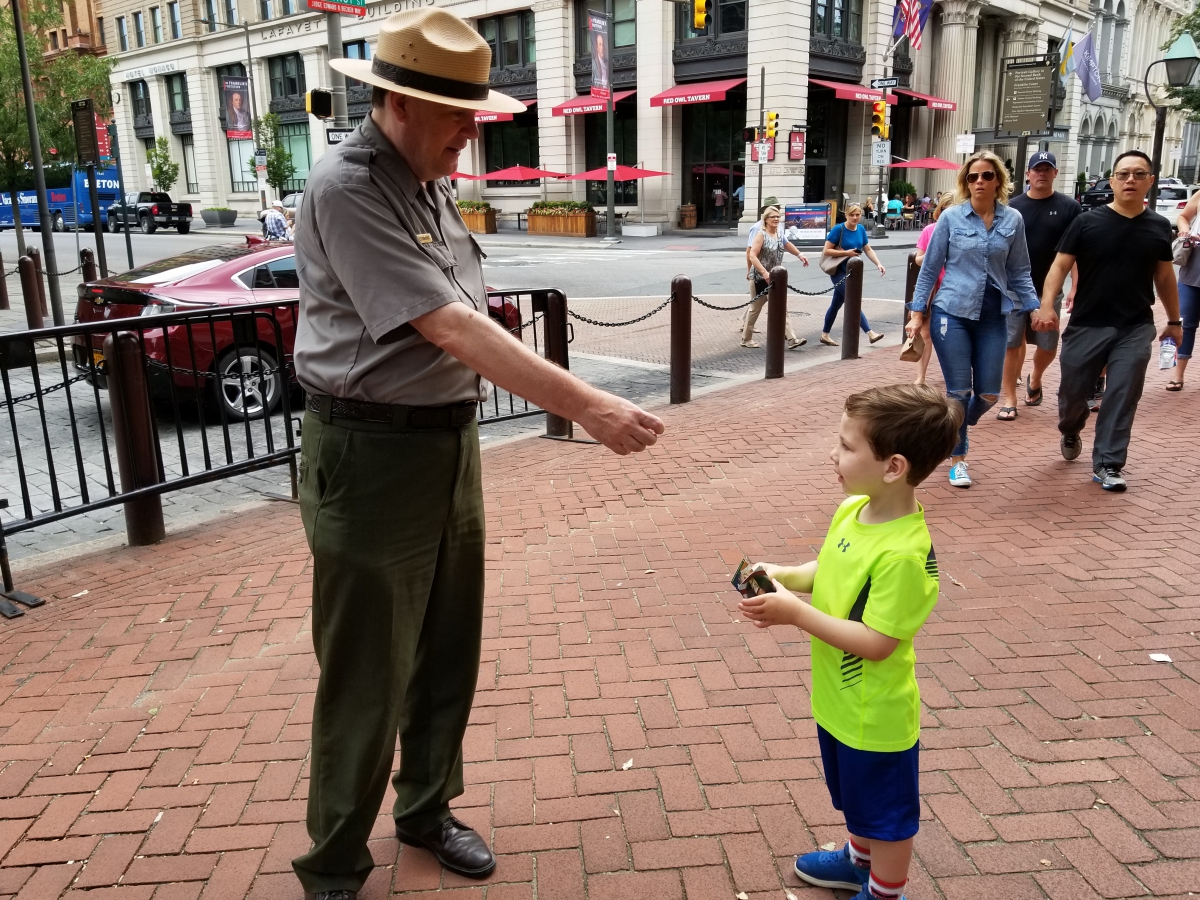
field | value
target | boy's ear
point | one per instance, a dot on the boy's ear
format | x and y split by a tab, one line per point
897	469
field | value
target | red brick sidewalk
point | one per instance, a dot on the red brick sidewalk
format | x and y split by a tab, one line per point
631	737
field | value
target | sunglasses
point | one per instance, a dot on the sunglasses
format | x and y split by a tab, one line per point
973	177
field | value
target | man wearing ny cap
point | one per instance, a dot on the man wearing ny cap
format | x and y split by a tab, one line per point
394	348
1047	215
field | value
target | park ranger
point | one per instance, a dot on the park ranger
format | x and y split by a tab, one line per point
393	346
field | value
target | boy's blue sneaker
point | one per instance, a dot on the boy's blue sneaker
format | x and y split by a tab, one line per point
833	869
865	894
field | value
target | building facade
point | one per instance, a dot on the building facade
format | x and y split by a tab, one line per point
682	97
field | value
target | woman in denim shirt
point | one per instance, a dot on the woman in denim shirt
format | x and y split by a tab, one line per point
981	244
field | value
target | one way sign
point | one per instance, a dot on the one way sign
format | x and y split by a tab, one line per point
336	137
880	83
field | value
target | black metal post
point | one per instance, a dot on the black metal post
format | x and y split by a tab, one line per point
7	610
30	293
133	434
88	262
776	321
681	339
852	311
1160	125
1019	163
97	229
610	230
3	286
116	155
556	352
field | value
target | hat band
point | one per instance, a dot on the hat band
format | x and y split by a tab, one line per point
432	84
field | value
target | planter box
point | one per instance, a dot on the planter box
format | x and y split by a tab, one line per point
218	218
581	224
480	221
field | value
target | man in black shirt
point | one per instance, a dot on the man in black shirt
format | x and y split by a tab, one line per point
1123	253
1047	216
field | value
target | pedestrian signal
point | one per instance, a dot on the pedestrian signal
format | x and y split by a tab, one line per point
749	135
879	118
319	103
701	14
772	125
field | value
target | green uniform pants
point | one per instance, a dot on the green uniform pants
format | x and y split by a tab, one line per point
395	523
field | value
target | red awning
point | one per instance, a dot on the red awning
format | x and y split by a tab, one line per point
585	104
929	100
705	92
851	91
484	117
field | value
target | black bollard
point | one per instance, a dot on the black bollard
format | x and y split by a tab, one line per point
36	255
3	286
776	321
681	339
133	434
34	317
88	262
556	352
853	309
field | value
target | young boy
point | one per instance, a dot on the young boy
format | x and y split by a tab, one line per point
873	585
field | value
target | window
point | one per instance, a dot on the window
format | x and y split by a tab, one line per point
231	12
511	39
287	7
54	40
264	9
840	19
189	164
100	40
177	92
284	272
156	24
728	17
149	144
176	21
293	137
122	35
512	143
595	145
624	23
141	98
139	30
287	76
356	50
241	166
210	13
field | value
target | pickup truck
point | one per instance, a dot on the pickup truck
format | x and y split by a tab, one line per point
149	211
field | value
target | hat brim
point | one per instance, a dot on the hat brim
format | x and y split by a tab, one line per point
361	70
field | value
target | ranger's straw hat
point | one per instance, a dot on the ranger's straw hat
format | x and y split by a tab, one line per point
433	55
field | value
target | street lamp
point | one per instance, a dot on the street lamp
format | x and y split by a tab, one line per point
1181	62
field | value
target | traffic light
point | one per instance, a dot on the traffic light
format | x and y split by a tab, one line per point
772	125
879	118
701	14
319	103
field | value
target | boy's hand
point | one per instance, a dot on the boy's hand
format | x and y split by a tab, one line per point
769	569
779	608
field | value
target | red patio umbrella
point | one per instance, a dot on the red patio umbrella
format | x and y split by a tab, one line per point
520	173
623	173
711	170
465	176
928	162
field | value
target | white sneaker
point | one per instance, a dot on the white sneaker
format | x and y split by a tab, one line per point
959	476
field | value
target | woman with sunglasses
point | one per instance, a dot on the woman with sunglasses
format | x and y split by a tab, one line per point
980	243
765	253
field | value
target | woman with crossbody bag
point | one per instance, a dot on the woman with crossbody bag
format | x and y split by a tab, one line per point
846	240
1187	245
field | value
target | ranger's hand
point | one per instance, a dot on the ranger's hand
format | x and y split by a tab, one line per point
621	426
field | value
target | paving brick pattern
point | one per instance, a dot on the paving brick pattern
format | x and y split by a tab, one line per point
632	738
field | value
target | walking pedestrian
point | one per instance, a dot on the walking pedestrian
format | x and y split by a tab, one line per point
1123	254
1047	214
981	244
719	197
395	349
1189	293
750	235
844	242
765	253
923	245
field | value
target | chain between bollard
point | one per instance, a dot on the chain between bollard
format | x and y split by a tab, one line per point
652	312
64	274
834	286
33	395
13	271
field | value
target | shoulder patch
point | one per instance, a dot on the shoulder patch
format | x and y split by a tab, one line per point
356	165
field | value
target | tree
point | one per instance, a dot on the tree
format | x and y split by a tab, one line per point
280	168
163	170
56	82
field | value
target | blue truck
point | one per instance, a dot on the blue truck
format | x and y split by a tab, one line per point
68	198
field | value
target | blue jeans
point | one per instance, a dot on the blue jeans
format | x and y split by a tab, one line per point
971	354
839	298
1189	312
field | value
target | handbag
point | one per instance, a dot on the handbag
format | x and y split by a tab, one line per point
829	264
1181	247
913	348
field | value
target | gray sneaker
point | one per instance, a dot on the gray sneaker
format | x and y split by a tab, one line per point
1071	446
1109	478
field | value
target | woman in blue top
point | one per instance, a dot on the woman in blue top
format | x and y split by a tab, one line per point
848	240
981	243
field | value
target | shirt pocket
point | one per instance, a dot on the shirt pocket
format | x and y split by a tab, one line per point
964	240
442	255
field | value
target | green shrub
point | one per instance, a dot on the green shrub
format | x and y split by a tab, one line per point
474	205
560	207
903	188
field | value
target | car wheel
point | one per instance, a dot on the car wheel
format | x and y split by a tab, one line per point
113	228
185	227
240	387
148	225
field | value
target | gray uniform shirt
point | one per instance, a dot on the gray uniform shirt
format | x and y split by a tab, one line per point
374	251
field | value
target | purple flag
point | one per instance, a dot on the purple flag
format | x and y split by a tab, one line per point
1087	67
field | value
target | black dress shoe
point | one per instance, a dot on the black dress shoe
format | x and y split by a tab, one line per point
457	847
330	895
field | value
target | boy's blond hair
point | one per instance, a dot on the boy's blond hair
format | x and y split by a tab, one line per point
914	420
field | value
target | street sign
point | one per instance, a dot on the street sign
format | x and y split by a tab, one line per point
612	162
83	117
260	159
345	7
881	83
1177	153
964	143
1025	89
336	137
796	145
761	151
881	153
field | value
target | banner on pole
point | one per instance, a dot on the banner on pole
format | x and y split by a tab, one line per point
87	148
598	32
235	100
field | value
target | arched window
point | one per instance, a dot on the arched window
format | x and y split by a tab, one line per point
1097	162
1106	36
1118	39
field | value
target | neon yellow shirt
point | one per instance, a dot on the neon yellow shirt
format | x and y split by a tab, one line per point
886	577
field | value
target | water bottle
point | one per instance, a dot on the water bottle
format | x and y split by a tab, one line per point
1166	354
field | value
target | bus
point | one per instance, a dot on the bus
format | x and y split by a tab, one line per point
68	198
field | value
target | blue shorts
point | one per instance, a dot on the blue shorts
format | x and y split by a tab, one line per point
879	793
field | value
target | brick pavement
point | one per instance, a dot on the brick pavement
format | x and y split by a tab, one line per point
631	736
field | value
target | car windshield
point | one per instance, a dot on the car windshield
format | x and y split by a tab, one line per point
187	265
1172	193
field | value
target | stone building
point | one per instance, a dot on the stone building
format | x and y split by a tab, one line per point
683	97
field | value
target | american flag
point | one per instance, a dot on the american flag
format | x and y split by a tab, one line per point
909	20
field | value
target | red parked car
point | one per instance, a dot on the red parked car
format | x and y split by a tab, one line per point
211	277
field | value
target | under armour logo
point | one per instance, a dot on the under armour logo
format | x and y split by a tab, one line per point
843	545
